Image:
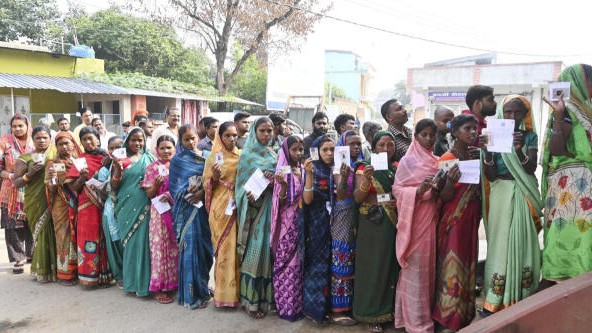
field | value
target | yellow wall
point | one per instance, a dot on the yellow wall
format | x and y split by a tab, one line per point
46	101
39	63
89	65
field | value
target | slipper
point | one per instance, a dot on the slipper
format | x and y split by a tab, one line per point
163	298
375	328
316	323
204	305
342	320
18	269
255	314
67	283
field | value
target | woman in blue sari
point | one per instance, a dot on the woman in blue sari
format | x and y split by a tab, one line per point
190	221
254	221
132	211
315	230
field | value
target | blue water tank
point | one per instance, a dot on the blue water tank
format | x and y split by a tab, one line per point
82	51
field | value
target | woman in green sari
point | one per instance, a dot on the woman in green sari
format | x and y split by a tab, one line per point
132	211
29	172
567	179
376	267
512	269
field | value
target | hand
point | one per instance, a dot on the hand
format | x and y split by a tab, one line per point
35	167
94	188
196	197
52	173
251	197
5	174
117	167
558	107
269	175
344	171
425	186
279	178
84	174
165	198
216	172
106	160
518	140
475	152
158	181
483	141
453	174
391	204
308	166
369	172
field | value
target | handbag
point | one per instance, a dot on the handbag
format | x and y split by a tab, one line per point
375	214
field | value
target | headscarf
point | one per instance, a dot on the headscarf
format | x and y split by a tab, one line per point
343	143
77	151
322	174
528	121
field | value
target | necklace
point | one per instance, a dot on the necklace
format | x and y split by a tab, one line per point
457	153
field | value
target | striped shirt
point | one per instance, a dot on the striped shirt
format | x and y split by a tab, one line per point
402	140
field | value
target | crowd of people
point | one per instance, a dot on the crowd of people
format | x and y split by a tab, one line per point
331	243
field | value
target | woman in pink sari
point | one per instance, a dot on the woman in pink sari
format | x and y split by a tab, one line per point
417	204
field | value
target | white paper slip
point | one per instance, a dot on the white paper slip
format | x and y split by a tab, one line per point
195	181
286	169
379	161
198	205
163	171
314	154
328	206
256	184
160	206
229	207
219	158
38	158
59	167
501	132
120	153
97	183
557	89
383	197
446	165
79	163
470	171
341	156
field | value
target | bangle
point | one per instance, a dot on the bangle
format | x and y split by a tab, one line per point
490	163
283	197
26	178
364	188
11	176
308	189
117	179
526	160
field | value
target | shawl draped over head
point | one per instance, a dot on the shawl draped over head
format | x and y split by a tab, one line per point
414	167
75	153
254	156
293	193
322	174
579	109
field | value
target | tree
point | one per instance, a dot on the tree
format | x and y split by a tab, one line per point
258	25
133	44
251	81
28	19
333	91
401	93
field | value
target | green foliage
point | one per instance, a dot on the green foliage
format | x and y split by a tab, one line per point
401	93
133	44
336	92
251	81
26	18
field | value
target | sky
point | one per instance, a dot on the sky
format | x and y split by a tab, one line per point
519	31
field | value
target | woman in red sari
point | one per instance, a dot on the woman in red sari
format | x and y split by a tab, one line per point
457	234
90	241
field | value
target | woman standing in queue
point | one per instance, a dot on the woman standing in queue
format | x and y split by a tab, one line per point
417	204
164	252
19	241
93	269
219	182
132	211
287	195
457	234
315	224
254	221
29	172
512	268
59	199
190	220
376	275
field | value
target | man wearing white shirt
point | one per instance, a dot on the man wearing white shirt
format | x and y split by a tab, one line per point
171	128
105	135
86	116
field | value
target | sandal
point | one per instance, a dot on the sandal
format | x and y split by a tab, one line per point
255	314
376	328
67	283
18	268
163	298
204	305
342	319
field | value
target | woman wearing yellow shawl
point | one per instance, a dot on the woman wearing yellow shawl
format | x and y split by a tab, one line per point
567	179
512	268
219	180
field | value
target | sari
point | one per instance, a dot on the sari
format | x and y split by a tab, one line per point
254	228
132	212
222	224
416	240
19	241
315	238
164	252
567	190
193	233
287	267
512	267
85	213
43	266
343	244
66	257
376	275
110	226
457	254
